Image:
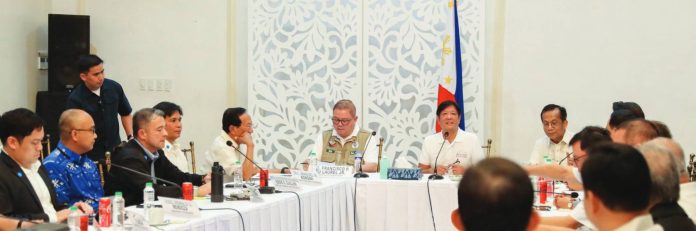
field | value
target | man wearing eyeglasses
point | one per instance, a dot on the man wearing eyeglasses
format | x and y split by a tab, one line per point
580	143
341	144
74	175
554	146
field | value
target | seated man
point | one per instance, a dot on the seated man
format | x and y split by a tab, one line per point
617	199
74	175
461	149
587	137
172	149
237	129
634	132
495	194
581	142
622	112
142	154
555	144
341	144
666	162
26	191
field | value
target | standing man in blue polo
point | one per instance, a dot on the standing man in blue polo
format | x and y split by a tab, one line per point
105	101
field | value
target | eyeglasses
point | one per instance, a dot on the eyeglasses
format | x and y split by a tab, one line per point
576	158
341	121
93	130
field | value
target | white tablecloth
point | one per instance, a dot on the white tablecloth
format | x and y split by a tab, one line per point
381	205
403	205
324	207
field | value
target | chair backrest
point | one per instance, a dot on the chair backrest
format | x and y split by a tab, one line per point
192	156
46	142
488	148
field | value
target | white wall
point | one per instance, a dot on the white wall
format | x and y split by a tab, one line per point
586	54
182	41
23	31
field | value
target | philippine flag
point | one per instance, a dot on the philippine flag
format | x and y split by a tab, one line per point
450	86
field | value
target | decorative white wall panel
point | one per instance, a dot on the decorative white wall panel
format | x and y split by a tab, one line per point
383	55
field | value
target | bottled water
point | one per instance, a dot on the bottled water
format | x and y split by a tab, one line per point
74	219
148	199
118	211
312	162
238	174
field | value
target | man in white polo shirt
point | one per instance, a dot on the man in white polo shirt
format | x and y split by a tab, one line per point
554	146
462	148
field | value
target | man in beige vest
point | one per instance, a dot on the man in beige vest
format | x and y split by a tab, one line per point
341	144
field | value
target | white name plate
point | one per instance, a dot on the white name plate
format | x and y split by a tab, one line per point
306	177
137	220
285	183
179	207
333	171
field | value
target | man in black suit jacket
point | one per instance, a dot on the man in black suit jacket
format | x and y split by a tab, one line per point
144	154
26	191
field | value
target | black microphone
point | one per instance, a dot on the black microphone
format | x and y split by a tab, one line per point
265	189
564	158
571	194
360	173
437	176
140	173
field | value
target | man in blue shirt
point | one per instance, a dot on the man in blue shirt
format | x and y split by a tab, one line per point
104	100
74	175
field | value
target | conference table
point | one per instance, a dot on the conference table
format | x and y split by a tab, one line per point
381	205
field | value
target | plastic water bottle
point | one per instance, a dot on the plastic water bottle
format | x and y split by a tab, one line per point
384	165
238	174
118	211
148	199
74	219
356	165
312	162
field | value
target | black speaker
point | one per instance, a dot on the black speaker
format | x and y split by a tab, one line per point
49	106
68	38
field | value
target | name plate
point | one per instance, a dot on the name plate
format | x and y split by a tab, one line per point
286	183
137	220
404	173
306	177
179	207
333	171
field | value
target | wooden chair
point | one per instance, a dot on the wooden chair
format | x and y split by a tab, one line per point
107	159
192	156
488	148
46	142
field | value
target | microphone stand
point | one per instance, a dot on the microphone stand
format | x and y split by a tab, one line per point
360	173
140	173
262	177
437	176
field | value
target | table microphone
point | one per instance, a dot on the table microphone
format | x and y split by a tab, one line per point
564	158
264	189
360	173
140	173
437	176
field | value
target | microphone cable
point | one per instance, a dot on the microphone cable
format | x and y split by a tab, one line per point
240	214
299	205
355	208
430	201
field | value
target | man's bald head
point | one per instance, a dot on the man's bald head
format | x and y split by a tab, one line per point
71	119
77	130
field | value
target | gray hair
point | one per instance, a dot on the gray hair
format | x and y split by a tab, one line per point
144	116
663	171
